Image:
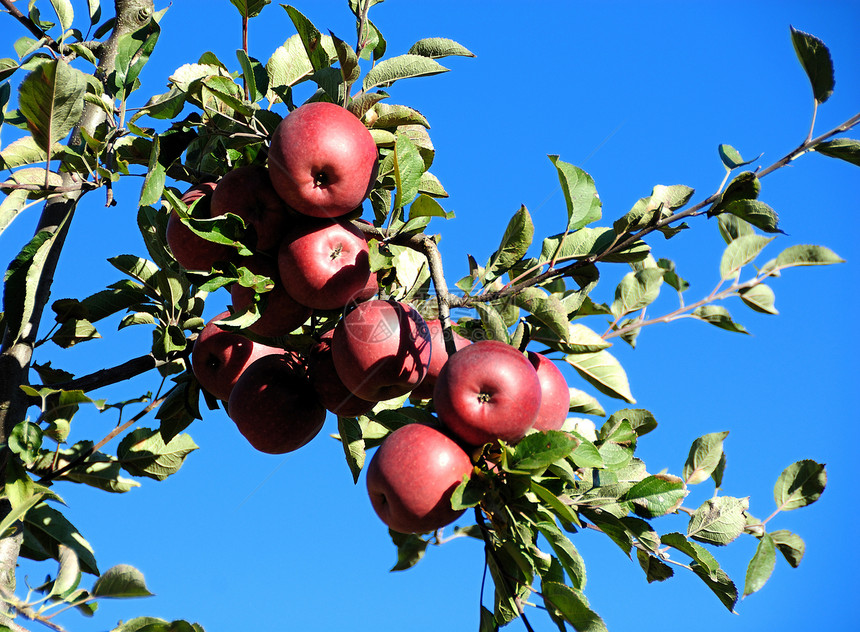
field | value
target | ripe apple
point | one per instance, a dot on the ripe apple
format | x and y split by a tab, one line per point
331	392
273	405
248	193
488	391
322	160
411	477
190	250
219	357
282	313
324	263
381	349
438	358
555	395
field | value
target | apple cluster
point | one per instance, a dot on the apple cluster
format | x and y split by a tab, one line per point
322	164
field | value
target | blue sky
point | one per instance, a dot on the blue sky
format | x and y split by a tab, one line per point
638	94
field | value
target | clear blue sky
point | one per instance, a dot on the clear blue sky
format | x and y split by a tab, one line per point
638	94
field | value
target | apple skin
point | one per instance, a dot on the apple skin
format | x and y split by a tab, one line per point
331	392
273	405
381	349
248	193
190	250
488	391
438	358
282	313
324	263
219	357
555	395
322	160
411	477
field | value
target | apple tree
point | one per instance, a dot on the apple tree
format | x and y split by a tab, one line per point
206	152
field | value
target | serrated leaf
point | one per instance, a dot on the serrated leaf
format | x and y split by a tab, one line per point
122	581
570	559
704	457
806	255
659	205
800	484
392	69
249	8
546	308
52	529
720	584
311	38
572	606
51	99
410	549
583	403
21	282
718	316
655	569
515	242
254	74
699	554
537	451
759	298
350	433
761	565
740	252
580	194
656	495
846	149
790	545
815	59
636	290
436	47
744	186
756	213
144	453
408	167
604	372
718	520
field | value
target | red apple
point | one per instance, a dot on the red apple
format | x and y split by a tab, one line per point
282	313
273	405
322	160
438	358
555	395
248	193
190	250
331	392
219	357
411	477
324	263
488	391
381	349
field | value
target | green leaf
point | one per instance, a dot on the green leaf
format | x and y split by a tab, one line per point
720	584
656	495
410	549
585	404
580	195
756	213
718	520
730	156
846	149
436	47
718	316
25	440
133	51
759	298
761	565
134	266
7	68
570	559
408	167
800	484
740	252
311	38
546	308
658	206
123	581
537	451
21	282
153	182
390	70
74	331
52	529
352	439
704	457
604	372
572	606
254	74
51	99
637	290
18	511
744	186
250	8
468	493
144	453
815	59
514	245
349	69
426	206
699	554
790	545
655	569
806	255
